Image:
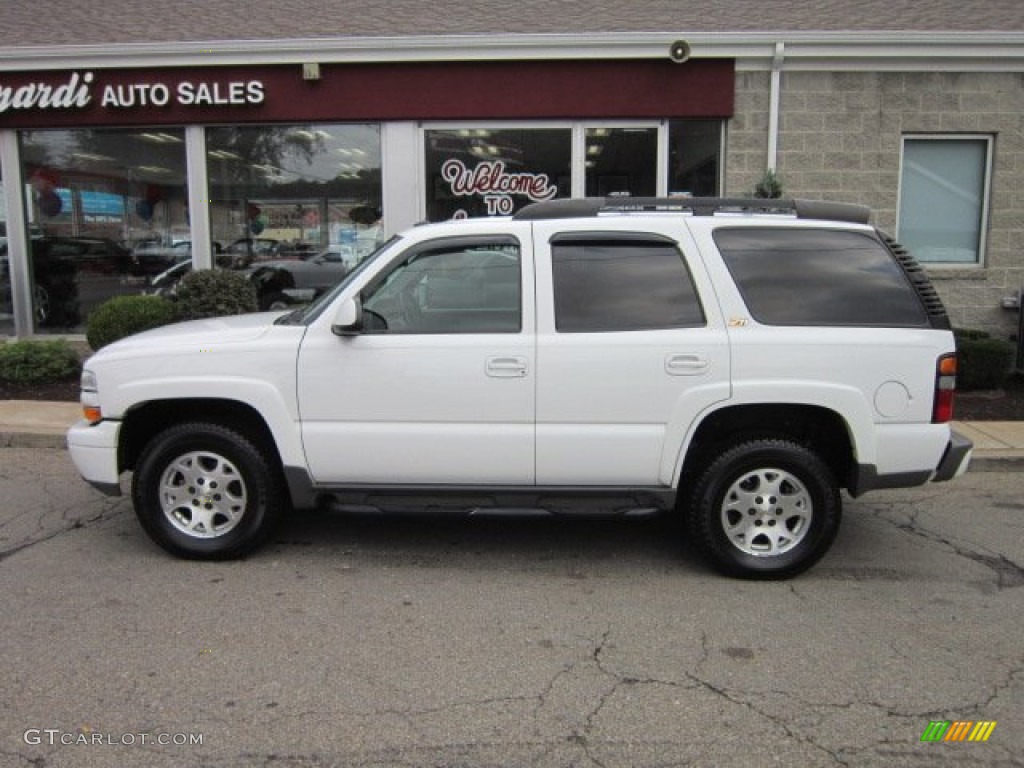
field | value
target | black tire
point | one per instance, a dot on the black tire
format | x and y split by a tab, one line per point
766	509
43	310
205	492
274	301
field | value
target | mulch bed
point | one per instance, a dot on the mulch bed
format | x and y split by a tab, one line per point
997	405
51	390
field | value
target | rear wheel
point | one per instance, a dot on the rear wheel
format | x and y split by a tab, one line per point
766	509
203	491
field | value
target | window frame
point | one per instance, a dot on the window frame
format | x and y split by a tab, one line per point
983	223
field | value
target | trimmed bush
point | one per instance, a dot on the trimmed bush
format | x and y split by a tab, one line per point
985	363
970	333
214	293
126	315
34	362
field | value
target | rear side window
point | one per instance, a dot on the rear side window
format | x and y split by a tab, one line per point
612	283
818	277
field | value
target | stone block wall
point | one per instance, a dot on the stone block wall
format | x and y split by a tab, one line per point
840	139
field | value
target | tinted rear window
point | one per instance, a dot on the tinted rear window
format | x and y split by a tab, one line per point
818	277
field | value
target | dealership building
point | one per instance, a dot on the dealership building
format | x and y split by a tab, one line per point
134	136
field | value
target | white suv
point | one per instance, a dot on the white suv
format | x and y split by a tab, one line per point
739	362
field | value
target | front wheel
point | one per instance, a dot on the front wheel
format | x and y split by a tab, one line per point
766	509
205	492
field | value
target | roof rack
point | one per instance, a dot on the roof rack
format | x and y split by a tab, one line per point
698	206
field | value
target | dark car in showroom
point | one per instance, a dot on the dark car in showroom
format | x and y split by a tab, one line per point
279	284
55	273
152	258
283	283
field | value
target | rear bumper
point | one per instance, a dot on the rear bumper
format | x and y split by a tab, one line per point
953	462
956	458
93	449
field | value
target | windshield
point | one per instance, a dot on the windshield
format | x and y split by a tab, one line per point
310	312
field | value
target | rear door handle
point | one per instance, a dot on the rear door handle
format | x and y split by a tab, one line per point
686	365
506	367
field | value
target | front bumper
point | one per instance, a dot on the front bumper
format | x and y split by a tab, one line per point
93	449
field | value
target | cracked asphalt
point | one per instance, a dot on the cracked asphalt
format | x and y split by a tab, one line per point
374	641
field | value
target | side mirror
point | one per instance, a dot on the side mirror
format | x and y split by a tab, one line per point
348	320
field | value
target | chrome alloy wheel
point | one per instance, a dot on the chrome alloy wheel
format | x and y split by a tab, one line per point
766	512
202	494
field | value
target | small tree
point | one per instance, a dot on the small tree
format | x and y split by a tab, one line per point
770	186
215	293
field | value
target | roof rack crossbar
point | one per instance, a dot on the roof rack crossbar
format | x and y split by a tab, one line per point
698	206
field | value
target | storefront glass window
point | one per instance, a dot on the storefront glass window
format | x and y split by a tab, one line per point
96	200
694	157
621	161
6	307
291	191
492	172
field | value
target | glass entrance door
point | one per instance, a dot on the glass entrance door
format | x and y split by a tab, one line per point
483	169
621	161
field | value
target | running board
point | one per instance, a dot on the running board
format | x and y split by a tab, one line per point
498	502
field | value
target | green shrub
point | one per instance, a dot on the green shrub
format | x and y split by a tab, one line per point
984	362
33	362
769	186
970	333
213	293
124	315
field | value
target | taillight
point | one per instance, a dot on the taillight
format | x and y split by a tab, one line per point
945	389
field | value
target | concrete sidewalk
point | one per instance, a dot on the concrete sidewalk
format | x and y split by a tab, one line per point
38	424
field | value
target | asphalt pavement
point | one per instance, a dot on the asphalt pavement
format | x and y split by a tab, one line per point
389	641
998	445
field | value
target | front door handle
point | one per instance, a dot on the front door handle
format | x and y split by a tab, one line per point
686	365
506	367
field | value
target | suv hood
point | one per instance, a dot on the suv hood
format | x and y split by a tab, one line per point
213	330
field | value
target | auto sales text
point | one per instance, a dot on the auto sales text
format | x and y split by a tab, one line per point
77	92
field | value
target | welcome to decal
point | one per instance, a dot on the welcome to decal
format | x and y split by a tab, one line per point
492	181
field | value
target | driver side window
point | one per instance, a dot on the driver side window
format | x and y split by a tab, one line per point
468	287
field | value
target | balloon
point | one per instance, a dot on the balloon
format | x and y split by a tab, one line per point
44	179
50	203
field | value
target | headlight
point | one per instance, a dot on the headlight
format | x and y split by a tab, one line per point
90	398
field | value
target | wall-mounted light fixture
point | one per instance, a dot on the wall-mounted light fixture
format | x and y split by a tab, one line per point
679	52
311	71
